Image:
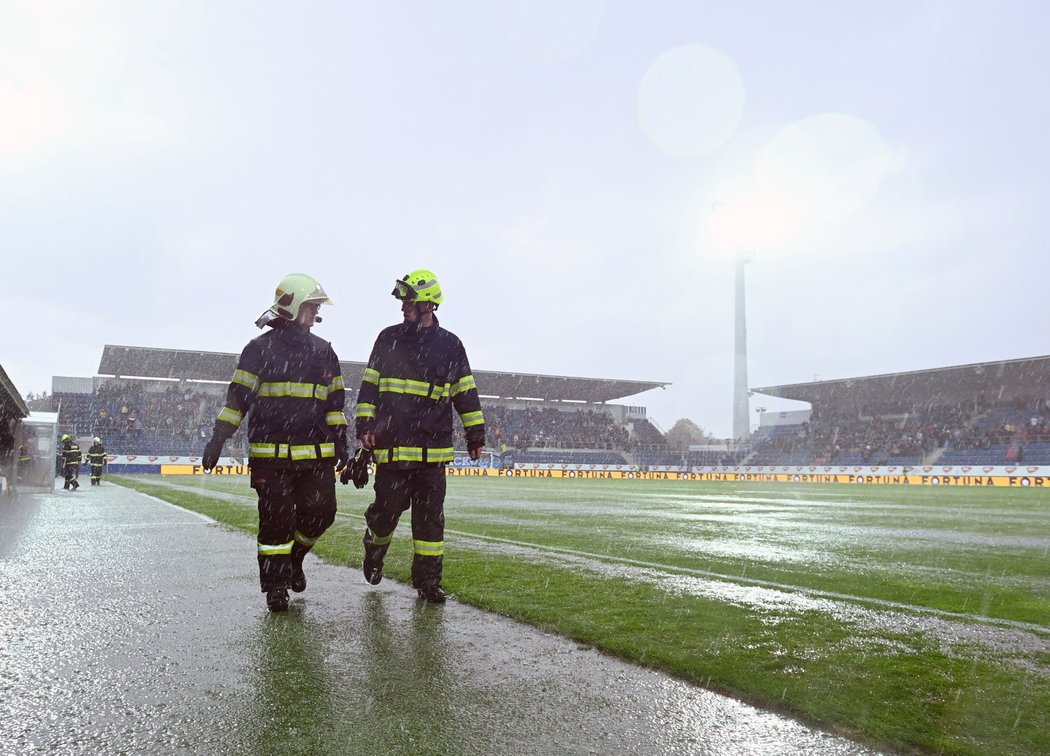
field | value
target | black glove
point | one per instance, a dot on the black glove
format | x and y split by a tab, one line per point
357	470
342	454
212	452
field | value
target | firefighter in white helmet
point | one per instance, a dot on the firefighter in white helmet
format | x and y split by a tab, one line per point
96	458
289	385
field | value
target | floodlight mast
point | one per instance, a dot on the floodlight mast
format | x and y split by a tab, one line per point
741	415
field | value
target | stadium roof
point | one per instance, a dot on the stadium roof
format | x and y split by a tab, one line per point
151	362
11	402
993	381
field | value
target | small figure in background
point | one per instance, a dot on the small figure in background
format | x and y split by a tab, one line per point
96	457
71	461
25	462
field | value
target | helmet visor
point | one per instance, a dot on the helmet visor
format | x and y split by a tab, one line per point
318	295
404	291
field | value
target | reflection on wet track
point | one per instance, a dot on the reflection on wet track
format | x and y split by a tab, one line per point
135	627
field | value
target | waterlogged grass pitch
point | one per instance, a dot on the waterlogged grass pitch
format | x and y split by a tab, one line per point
908	618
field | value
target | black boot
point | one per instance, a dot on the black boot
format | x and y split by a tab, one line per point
373	564
432	593
298	580
277	600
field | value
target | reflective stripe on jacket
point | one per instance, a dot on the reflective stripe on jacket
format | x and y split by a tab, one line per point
415	381
289	385
71	454
96	455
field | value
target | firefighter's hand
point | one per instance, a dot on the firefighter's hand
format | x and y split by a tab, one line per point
342	456
357	470
368	440
212	452
475	452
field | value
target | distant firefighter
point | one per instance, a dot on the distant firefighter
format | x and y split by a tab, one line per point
96	457
25	463
71	461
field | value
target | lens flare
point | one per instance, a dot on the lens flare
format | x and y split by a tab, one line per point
831	165
691	101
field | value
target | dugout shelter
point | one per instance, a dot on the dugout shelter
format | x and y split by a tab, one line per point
27	442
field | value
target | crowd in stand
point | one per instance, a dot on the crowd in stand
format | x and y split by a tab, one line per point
877	433
1021	421
550	428
895	433
179	419
645	435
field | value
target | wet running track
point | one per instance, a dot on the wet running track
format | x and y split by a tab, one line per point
132	626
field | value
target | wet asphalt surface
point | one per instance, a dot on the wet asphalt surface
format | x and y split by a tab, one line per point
132	626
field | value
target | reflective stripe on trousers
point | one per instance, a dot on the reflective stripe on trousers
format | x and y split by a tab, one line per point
421	489
296	506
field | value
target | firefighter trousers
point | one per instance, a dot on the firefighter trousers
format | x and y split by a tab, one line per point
296	507
421	489
70	473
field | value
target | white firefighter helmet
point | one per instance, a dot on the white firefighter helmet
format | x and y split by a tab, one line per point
292	291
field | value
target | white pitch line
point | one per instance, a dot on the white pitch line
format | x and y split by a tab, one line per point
812	592
205	518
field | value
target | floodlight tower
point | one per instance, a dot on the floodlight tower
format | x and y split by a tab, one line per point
741	415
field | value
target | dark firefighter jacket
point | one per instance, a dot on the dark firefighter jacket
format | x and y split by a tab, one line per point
96	455
414	379
71	453
288	382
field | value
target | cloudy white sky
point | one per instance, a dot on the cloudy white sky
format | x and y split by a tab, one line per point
579	174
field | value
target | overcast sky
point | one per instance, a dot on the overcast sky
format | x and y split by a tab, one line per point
579	174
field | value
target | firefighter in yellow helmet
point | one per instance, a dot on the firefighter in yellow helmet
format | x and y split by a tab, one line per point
25	463
418	377
289	385
71	461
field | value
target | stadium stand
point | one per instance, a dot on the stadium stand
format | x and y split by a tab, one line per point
548	427
572	457
170	404
941	416
143	417
650	458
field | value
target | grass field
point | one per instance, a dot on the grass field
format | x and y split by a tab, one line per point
910	619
